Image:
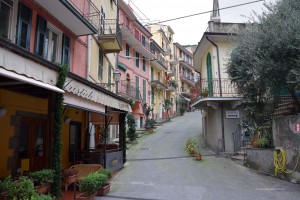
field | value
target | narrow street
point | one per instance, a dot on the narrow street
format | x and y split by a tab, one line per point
158	167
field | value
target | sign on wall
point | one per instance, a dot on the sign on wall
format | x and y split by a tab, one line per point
232	114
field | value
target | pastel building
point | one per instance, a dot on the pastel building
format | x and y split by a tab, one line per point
134	62
37	38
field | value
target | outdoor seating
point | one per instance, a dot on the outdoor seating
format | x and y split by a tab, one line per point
81	170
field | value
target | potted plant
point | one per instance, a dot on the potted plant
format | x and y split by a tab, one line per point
182	111
89	186
42	179
149	125
103	178
21	189
173	83
191	146
204	92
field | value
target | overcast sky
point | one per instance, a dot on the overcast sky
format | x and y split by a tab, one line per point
190	30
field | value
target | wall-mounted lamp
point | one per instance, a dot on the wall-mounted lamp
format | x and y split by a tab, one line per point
3	111
117	76
67	120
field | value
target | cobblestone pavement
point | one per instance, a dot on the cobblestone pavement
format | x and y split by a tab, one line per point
159	168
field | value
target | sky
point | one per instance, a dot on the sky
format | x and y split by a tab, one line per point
189	30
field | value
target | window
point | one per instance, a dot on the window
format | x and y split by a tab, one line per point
100	65
144	89
152	74
158	76
66	51
143	40
137	85
109	77
102	21
137	59
144	64
40	47
24	26
5	16
127	49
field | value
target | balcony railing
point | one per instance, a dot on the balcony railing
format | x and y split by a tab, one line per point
131	28
187	78
228	88
129	90
110	36
186	63
159	85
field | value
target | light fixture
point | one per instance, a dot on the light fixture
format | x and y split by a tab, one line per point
3	111
117	76
67	120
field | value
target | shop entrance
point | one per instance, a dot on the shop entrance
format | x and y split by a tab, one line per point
33	144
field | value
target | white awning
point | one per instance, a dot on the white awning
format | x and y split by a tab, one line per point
187	99
31	81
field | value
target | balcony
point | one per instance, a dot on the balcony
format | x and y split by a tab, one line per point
110	37
171	72
134	38
173	60
160	63
129	90
186	64
158	85
187	79
80	17
167	51
228	88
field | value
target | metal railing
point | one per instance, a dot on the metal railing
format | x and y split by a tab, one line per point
129	89
228	88
88	10
130	26
111	26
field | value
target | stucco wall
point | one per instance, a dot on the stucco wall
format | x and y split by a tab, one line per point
261	160
286	135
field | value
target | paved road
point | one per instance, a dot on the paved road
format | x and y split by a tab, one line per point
158	168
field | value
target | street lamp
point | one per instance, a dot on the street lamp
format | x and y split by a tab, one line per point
117	76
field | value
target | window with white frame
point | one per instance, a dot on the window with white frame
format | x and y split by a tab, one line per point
6	9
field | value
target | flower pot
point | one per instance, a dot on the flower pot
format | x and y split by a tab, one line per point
83	196
192	152
104	190
198	156
43	188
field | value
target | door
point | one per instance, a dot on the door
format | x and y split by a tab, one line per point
75	142
34	143
209	75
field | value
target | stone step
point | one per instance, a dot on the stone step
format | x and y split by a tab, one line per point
239	157
241	152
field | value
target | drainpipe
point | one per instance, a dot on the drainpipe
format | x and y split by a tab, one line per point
221	93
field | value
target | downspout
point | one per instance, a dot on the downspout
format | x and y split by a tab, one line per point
221	93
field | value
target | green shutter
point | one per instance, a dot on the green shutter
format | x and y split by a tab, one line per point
144	89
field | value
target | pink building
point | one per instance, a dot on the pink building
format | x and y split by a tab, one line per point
134	62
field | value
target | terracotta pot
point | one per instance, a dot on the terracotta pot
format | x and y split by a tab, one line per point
198	156
83	196
104	190
42	189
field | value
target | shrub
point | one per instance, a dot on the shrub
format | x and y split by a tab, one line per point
106	172
21	189
91	183
43	197
42	176
131	134
182	110
149	123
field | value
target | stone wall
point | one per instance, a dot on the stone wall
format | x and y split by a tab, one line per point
286	135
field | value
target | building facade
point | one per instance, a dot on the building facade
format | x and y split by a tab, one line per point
134	62
37	38
221	106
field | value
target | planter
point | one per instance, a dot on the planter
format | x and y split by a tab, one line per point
149	130
104	190
42	189
198	156
192	152
83	196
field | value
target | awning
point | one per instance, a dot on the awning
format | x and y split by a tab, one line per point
187	99
31	81
123	67
216	99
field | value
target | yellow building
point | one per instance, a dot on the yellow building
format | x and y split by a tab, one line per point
163	37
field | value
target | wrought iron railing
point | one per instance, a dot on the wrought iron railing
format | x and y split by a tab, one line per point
130	26
129	89
216	87
111	26
88	10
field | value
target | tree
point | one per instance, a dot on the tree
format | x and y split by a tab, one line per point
131	133
267	55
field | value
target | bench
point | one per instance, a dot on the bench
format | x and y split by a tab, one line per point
78	172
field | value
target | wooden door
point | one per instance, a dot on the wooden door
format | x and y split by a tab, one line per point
34	142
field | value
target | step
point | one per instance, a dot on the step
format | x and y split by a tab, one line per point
239	157
241	152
